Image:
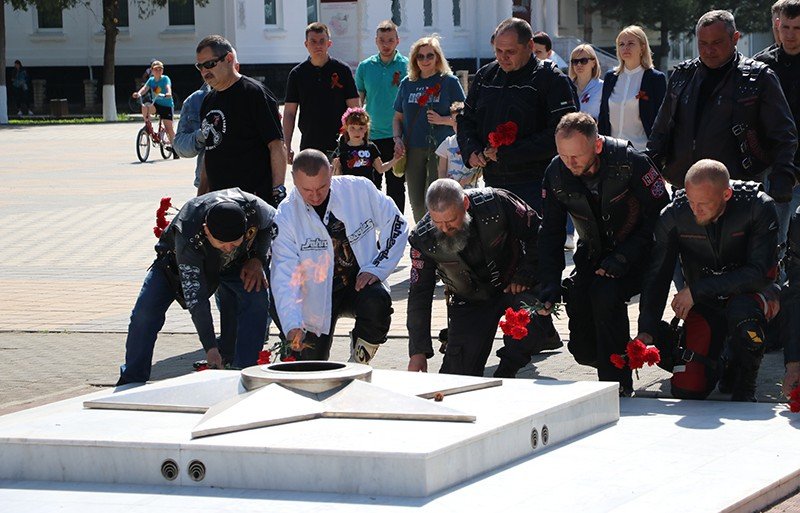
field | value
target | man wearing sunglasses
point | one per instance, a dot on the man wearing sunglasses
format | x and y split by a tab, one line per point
240	127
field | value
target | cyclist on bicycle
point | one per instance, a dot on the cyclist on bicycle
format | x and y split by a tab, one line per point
160	87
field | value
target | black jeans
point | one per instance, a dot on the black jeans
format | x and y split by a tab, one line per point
395	186
372	309
472	327
598	320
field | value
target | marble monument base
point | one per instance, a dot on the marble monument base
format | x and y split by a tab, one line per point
68	442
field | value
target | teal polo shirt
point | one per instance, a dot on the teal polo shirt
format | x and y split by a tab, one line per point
380	82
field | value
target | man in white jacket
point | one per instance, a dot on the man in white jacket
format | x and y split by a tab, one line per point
336	242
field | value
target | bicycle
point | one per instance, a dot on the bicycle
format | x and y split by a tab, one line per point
148	136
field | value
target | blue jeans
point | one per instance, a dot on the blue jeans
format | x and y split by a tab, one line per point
243	318
251	310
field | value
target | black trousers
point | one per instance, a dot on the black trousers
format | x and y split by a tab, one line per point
395	186
598	320
372	309
736	328
472	327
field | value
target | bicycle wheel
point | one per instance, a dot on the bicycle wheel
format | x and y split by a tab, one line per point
166	150
143	145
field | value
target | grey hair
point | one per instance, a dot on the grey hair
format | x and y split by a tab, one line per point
443	194
712	17
310	162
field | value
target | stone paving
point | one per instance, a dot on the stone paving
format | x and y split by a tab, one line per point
77	212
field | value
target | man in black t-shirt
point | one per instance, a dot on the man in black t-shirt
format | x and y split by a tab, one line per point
324	88
241	125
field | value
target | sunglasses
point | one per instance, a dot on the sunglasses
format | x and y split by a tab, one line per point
209	64
582	61
426	56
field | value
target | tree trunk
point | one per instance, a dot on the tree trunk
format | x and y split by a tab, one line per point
3	90
663	52
587	21
110	22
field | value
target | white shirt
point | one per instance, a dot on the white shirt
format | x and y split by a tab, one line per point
589	98
456	168
623	108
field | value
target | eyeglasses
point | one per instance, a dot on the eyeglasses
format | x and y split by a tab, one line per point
582	61
426	56
209	64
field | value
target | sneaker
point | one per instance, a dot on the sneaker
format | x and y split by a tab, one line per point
30	113
19	113
625	391
569	244
175	154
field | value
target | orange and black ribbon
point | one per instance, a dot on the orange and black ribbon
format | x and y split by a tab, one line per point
642	96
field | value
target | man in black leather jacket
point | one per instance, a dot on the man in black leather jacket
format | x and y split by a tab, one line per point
482	244
515	87
727	107
217	240
725	234
614	194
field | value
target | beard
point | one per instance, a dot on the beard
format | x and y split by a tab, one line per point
456	241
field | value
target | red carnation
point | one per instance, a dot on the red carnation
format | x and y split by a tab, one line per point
157	231
264	357
165	204
162	222
423	99
794	395
635	351
652	356
289	358
618	360
504	135
201	367
794	406
515	323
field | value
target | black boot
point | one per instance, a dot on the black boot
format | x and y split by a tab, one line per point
744	390
506	369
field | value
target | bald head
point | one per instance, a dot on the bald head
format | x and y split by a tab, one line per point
709	171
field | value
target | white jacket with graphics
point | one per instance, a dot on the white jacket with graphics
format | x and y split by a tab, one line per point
302	252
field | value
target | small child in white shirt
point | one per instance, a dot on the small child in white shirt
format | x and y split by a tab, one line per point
451	165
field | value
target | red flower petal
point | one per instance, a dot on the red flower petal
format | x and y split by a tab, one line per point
289	358
162	222
166	203
201	367
618	360
652	356
264	357
422	100
794	406
157	231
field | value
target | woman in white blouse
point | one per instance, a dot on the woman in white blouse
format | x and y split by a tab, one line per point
584	70
633	91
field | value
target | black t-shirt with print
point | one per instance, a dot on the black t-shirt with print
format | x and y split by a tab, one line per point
322	93
358	160
238	123
345	265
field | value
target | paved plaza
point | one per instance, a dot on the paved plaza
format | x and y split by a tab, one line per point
78	210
